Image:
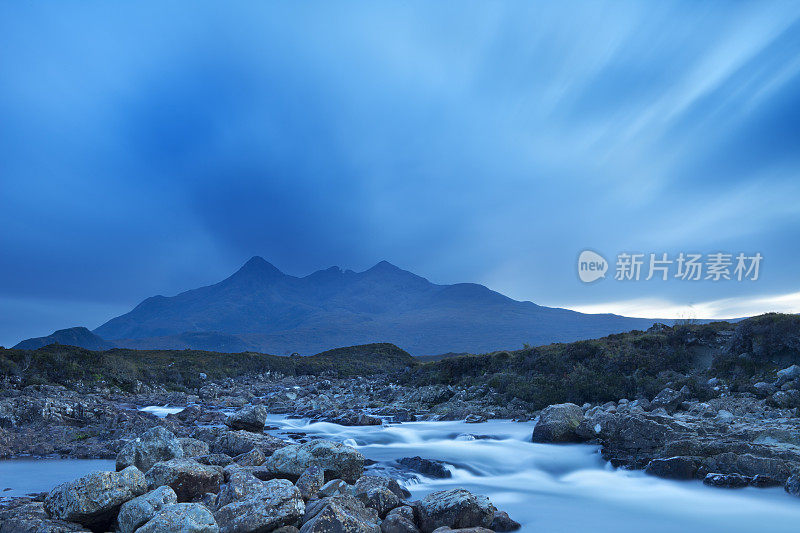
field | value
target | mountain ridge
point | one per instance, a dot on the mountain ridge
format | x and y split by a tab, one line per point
260	308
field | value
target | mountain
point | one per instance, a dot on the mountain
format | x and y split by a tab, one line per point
259	308
73	336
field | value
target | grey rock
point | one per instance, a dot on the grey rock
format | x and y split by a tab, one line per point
788	374
181	518
94	499
188	478
400	520
241	486
193	447
455	508
157	444
503	523
730	481
558	423
311	481
249	418
792	485
334	487
667	399
136	512
32	518
426	467
337	460
673	468
254	457
475	419
276	504
341	513
235	443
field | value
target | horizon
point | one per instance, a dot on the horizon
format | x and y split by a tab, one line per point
147	150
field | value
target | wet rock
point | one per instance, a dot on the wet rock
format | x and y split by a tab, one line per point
136	512
240	486
503	523
426	467
340	513
157	444
181	518
310	482
235	443
32	518
785	399
337	460
730	481
792	485
94	499
356	418
188	478
558	423
455	508
334	487
475	419
400	520
761	481
249	418
277	503
672	468
193	447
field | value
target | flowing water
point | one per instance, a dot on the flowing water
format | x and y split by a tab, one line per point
553	488
561	488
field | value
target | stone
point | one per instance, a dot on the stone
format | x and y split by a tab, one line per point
310	482
249	418
788	374
426	467
503	523
400	520
32	518
340	513
475	419
455	508
333	488
188	478
254	457
241	486
157	444
193	447
276	504
136	512
730	481
235	443
94	499
667	399
792	485
181	518
558	423
337	460
672	468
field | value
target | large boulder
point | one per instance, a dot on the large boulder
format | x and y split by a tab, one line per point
138	511
240	486
792	485
94	499
502	523
193	447
673	468
454	508
235	443
668	399
248	418
557	423
337	460
340	513
31	517
157	444
181	518
188	478
275	504
310	482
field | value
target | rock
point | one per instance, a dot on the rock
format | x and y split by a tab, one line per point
400	520
475	419
181	518
188	478
788	374
310	482
380	493
502	523
276	504
455	508
337	460
241	486
463	530
214	459
792	485
235	443
764	389
730	481
340	513
193	447
334	487
761	481
356	418
157	444
672	468
558	423
136	512
94	499
667	399
426	467
254	457
32	518
248	418
785	399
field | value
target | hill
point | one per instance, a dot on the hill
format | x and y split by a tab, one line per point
72	336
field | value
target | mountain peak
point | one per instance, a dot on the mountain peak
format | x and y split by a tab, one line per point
260	266
385	266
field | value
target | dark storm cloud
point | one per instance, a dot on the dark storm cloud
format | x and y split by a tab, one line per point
152	147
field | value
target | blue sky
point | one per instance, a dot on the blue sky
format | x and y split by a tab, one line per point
152	147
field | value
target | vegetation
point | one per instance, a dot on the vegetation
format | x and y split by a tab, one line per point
180	369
